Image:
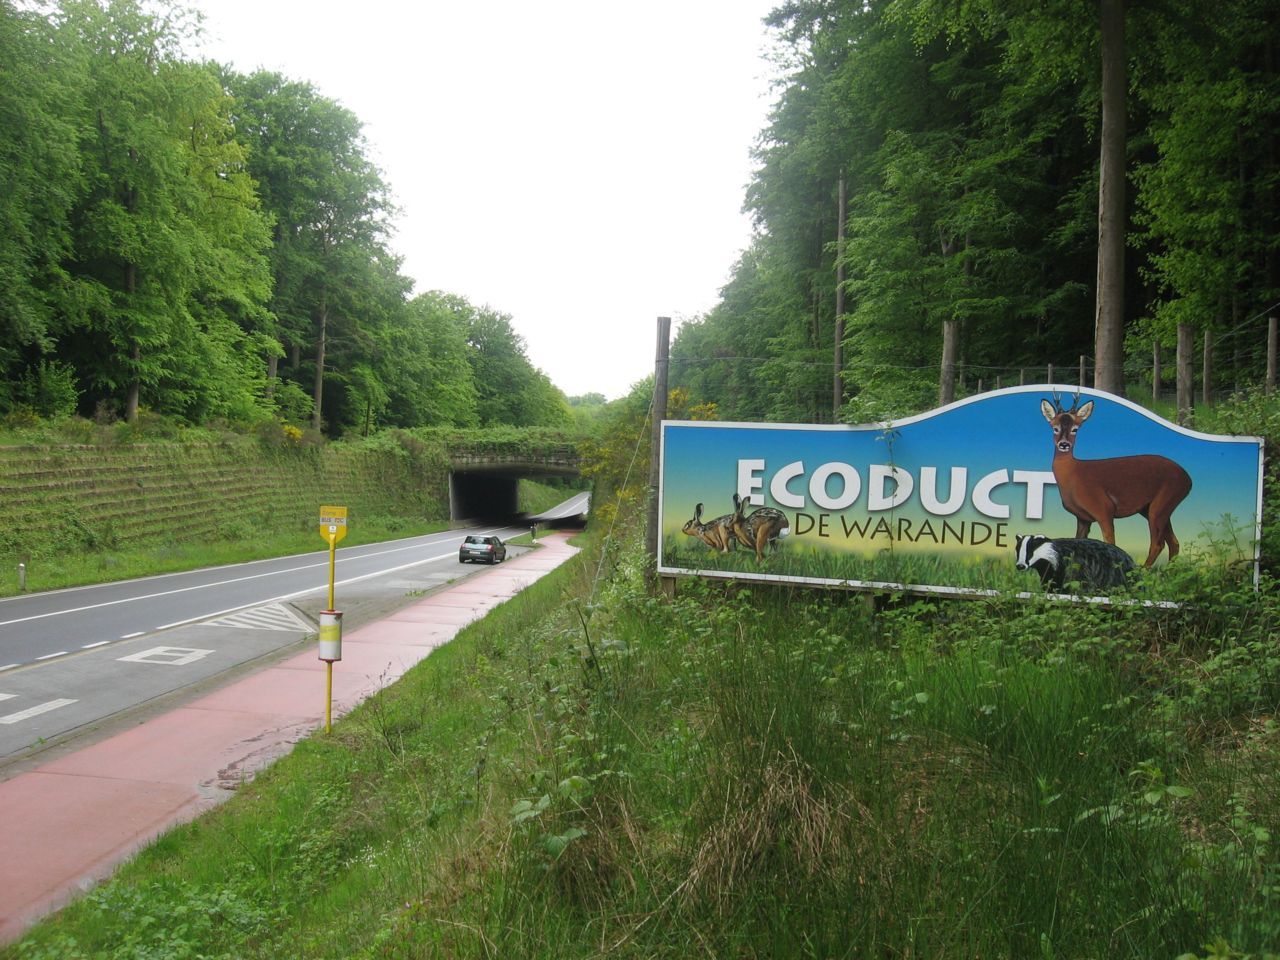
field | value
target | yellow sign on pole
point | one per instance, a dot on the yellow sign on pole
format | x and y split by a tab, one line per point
333	523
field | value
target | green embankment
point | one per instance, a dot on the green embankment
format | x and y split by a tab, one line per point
79	513
89	497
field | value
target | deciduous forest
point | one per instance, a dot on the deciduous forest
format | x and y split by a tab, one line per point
208	246
967	140
990	188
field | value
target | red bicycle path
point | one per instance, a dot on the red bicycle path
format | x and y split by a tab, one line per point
67	823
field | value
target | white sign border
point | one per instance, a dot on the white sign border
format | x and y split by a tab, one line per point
935	589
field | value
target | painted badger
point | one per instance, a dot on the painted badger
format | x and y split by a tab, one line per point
1091	563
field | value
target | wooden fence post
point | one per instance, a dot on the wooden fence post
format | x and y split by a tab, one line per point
1049	378
1155	371
1022	376
1081	381
1206	382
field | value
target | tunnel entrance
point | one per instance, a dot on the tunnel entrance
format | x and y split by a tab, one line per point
483	496
491	495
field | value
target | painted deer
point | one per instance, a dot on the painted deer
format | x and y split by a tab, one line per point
716	534
762	527
1099	491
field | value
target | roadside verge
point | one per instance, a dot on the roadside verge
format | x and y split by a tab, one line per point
70	821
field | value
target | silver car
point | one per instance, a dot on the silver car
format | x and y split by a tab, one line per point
482	549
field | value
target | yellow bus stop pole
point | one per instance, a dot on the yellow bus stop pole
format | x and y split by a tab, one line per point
328	680
328	697
333	542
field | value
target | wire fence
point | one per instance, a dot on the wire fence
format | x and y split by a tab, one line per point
1239	356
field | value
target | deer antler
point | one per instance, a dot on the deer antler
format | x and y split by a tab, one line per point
1075	403
1057	402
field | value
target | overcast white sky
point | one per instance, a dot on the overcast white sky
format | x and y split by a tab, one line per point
578	165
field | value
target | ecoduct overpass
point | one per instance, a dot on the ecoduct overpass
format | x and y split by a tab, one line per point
484	479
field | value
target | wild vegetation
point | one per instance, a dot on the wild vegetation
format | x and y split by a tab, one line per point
592	771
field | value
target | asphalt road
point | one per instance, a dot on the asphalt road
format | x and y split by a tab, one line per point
45	626
83	658
72	660
576	506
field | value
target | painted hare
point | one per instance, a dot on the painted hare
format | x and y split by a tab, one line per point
717	534
764	525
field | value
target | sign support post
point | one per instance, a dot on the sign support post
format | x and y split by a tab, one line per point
333	527
333	543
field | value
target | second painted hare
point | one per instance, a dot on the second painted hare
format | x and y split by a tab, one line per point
764	525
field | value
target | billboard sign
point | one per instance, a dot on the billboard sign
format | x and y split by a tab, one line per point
936	503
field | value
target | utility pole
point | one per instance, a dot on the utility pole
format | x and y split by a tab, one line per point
661	363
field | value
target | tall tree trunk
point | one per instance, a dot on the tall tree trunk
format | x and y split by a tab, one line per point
1272	324
950	352
837	387
1109	323
273	366
135	377
317	394
135	387
1185	378
815	400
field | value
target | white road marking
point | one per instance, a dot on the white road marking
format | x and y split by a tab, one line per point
9	666
35	711
50	656
7	696
303	593
275	616
130	636
100	643
170	656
